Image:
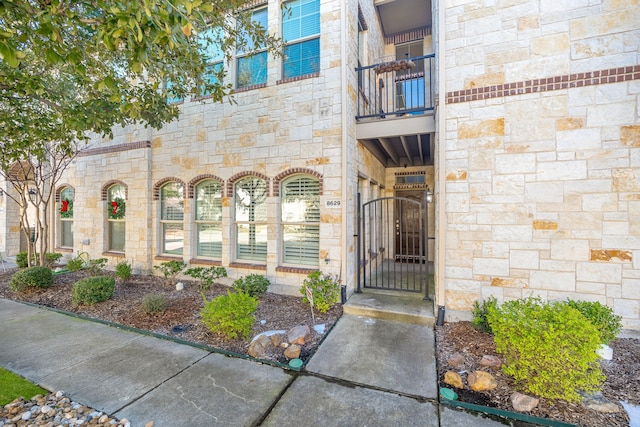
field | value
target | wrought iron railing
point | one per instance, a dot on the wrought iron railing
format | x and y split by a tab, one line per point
396	87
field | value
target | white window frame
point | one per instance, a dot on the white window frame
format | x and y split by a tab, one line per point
202	220
111	222
297	213
174	219
248	252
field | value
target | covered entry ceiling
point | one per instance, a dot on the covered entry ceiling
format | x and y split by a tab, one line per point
405	150
399	16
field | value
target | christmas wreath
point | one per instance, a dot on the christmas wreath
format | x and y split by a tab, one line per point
66	208
117	208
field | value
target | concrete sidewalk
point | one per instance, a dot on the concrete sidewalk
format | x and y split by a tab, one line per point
367	372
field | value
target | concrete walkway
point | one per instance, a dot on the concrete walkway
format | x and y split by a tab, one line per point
367	372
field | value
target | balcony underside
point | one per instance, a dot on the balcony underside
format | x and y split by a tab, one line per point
400	141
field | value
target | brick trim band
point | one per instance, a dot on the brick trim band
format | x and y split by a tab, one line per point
612	75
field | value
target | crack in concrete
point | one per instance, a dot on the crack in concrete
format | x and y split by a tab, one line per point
226	390
192	403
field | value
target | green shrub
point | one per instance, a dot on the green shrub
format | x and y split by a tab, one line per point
21	259
95	266
549	348
50	259
31	277
123	270
600	316
154	303
230	314
324	289
479	313
255	285
91	290
75	264
206	276
170	270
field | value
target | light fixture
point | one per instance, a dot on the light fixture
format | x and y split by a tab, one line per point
429	196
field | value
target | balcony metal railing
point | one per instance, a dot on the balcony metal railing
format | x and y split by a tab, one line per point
396	87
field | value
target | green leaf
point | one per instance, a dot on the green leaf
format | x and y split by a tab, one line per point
8	54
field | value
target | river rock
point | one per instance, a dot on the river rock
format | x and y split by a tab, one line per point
453	379
299	335
293	351
481	381
277	339
491	361
260	346
455	360
523	403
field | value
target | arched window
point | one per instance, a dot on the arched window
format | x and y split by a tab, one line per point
209	219
251	219
300	205
65	210
171	218
116	214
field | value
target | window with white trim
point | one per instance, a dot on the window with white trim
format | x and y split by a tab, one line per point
301	33
300	205
116	211
250	197
66	217
171	218
209	219
251	66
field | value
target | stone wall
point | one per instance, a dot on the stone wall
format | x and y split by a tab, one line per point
543	153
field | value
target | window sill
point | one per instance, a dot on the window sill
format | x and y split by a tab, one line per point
298	78
249	87
297	270
205	261
113	254
248	266
168	258
65	250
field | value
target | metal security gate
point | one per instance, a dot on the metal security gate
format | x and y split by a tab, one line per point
392	244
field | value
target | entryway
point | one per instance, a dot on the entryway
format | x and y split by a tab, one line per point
392	244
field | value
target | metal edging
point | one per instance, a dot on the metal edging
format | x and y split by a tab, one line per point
505	414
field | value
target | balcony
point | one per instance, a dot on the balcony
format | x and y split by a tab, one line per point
395	110
396	88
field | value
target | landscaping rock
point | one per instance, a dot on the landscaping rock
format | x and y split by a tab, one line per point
481	381
491	361
455	360
299	335
599	403
260	346
277	339
523	403
293	351
453	379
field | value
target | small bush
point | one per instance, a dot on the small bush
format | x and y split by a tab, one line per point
206	275
255	285
549	348
123	270
479	313
231	314
600	316
91	290
154	303
170	270
76	263
96	266
31	277
324	289
21	259
50	259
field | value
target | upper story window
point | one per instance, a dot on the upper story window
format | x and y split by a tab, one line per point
251	67
301	32
209	218
251	219
171	218
300	204
210	44
116	211
66	217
